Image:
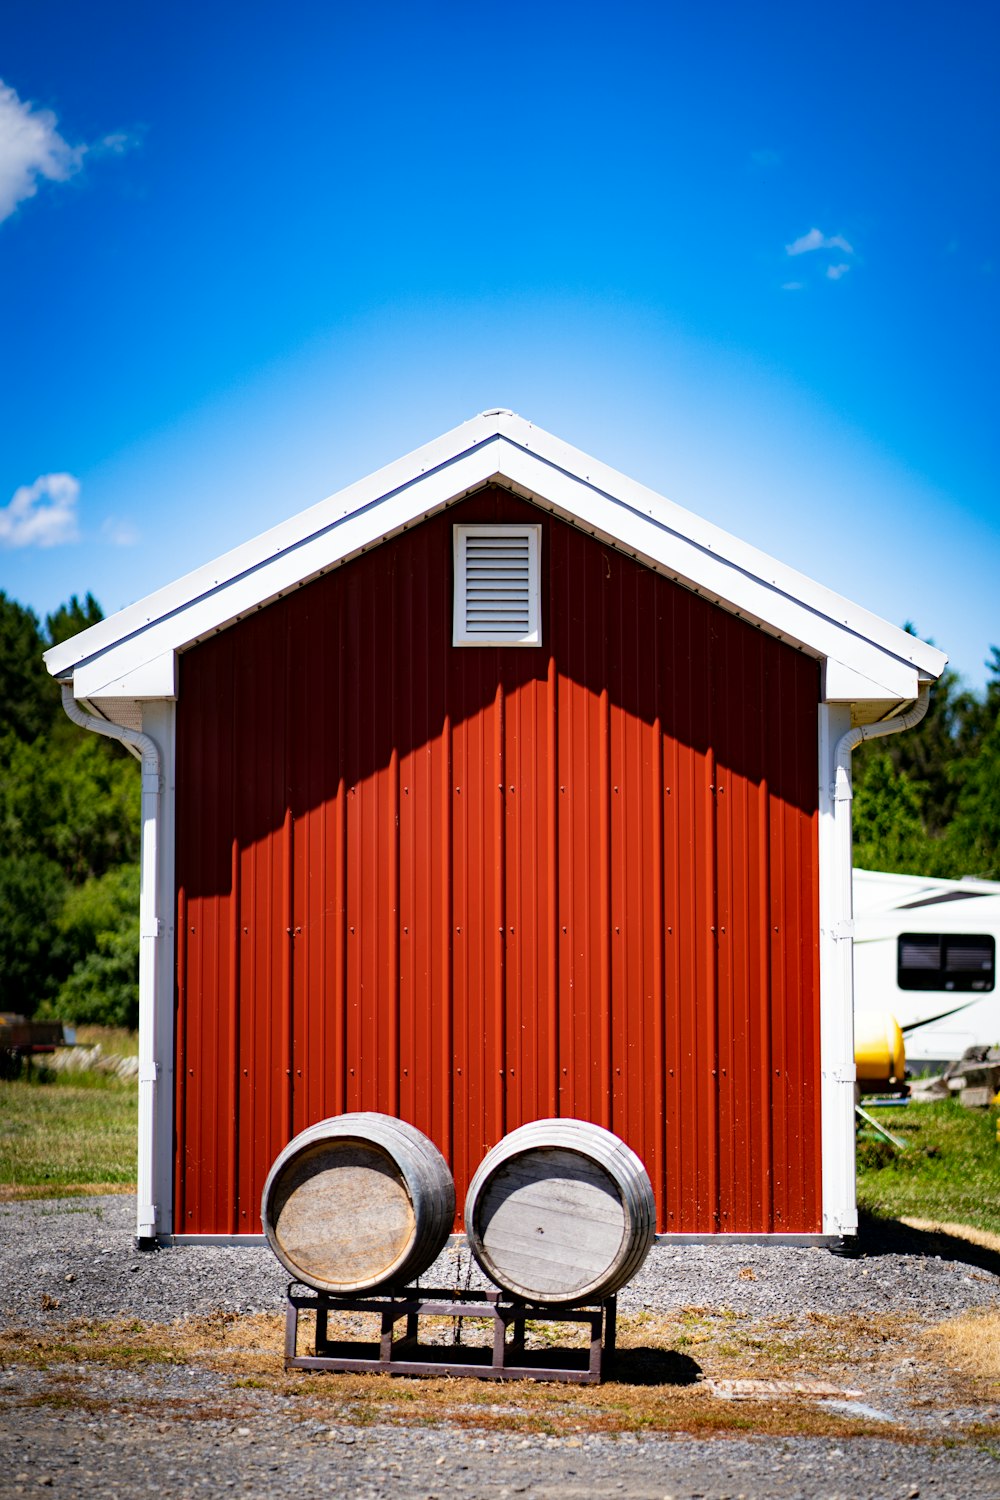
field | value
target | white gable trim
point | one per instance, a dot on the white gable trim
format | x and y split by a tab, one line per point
208	600
131	653
739	582
292	551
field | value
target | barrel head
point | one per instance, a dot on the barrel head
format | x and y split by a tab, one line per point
550	1223
341	1215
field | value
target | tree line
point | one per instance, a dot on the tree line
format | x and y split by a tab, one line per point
69	840
926	803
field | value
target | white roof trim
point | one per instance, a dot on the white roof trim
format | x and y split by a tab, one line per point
125	654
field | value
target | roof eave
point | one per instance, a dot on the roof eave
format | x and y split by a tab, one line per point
132	653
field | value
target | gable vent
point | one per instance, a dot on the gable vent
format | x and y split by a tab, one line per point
497	586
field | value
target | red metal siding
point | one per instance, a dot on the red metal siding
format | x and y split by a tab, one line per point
475	887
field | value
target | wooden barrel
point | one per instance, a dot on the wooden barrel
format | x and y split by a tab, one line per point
357	1202
560	1211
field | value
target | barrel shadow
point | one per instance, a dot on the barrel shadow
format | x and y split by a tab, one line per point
645	1366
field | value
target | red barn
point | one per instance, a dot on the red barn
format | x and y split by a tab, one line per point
498	787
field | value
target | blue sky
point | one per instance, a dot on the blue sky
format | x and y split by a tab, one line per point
747	254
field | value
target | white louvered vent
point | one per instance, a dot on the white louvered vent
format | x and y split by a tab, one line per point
496	586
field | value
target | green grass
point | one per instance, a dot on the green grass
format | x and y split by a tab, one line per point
950	1171
61	1133
114	1040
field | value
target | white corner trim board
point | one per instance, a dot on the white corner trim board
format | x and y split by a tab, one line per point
150	930
837	740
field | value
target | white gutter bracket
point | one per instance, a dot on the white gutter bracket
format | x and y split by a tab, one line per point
841	1075
150	931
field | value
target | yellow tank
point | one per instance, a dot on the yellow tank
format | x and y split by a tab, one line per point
879	1054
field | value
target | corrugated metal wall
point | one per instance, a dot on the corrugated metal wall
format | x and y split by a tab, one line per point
474	887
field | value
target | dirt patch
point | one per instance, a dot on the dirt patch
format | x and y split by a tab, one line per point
667	1376
970	1345
197	1406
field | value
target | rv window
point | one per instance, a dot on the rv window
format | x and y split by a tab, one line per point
945	961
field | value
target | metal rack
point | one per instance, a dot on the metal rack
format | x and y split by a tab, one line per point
504	1359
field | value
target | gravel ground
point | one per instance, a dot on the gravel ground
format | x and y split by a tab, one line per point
80	1252
276	1456
125	1431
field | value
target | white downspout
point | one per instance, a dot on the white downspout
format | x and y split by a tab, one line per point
843	929
843	794
149	933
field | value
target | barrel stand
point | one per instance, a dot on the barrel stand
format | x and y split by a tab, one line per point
405	1355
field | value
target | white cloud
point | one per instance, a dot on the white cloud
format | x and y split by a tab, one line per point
835	272
817	240
792	286
115	144
30	147
42	514
120	532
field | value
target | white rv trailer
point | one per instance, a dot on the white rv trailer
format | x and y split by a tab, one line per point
925	949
